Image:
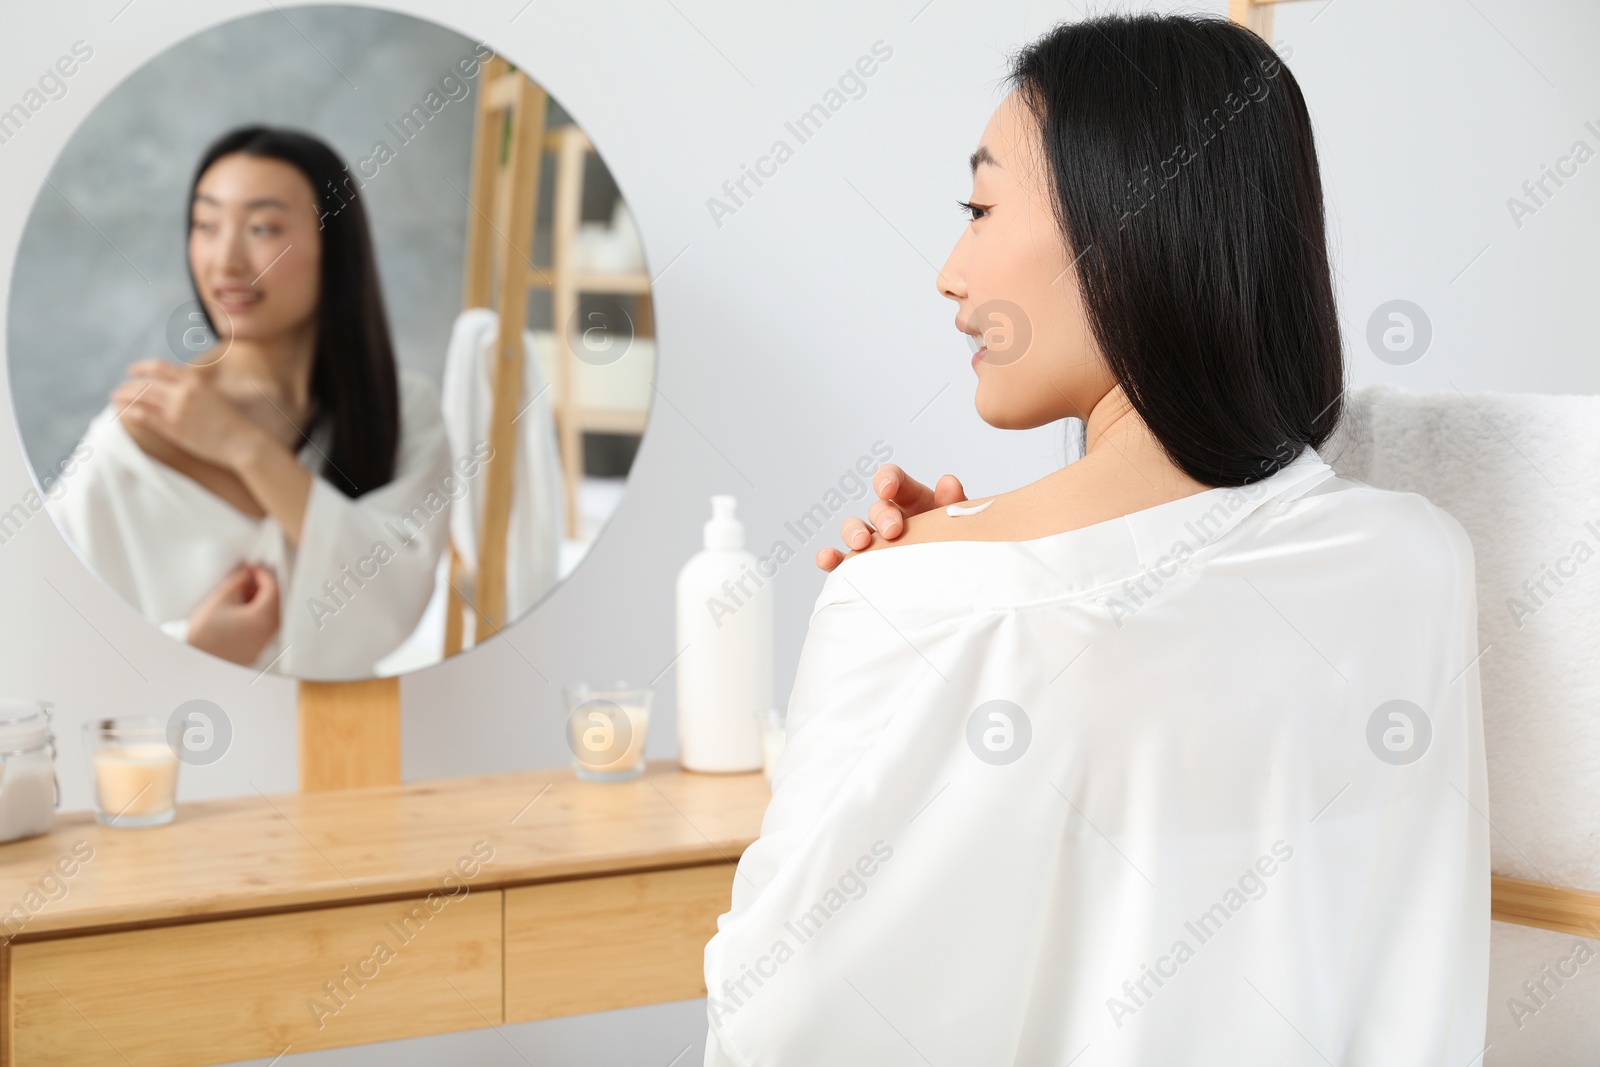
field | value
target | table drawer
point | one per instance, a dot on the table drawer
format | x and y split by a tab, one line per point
595	944
210	992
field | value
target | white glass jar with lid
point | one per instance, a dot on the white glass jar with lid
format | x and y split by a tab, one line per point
29	791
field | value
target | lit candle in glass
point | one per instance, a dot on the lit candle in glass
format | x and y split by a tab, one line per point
135	770
606	730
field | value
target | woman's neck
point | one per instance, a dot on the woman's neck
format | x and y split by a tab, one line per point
270	379
1112	422
1118	440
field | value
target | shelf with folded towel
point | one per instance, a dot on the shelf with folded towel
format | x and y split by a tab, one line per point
1550	907
1469	454
605	389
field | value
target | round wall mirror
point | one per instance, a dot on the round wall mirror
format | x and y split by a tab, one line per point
331	342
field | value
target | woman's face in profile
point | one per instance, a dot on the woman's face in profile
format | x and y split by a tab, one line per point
1010	274
255	247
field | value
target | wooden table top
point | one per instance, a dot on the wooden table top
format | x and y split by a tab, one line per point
261	853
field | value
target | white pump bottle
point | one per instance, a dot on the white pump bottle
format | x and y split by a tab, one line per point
725	642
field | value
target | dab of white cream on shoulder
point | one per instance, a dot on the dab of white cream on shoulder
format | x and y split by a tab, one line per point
957	509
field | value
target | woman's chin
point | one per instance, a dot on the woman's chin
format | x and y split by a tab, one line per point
1008	416
247	332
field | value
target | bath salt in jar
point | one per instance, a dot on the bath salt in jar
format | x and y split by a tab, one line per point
29	791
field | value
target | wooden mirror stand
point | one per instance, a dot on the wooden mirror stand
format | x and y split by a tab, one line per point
349	734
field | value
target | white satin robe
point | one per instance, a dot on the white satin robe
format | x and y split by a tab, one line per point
1209	841
163	541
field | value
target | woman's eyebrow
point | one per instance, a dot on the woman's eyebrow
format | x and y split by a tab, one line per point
250	205
982	155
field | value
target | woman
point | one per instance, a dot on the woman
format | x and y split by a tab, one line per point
281	500
1173	756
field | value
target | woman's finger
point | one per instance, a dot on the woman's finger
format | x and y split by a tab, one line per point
142	390
127	403
948	491
143	402
233	589
887	519
266	598
829	558
855	533
890	480
896	486
155	368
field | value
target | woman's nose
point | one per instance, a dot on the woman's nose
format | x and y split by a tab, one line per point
951	281
235	256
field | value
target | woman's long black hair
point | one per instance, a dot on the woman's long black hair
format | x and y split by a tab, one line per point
1185	182
354	384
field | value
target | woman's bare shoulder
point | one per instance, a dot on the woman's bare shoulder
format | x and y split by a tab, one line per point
1004	517
1078	495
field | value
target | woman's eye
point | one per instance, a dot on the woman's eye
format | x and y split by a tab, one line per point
264	231
204	227
974	212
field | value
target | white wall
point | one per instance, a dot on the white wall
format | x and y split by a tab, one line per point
807	325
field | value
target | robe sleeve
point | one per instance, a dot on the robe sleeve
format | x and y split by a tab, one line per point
85	504
365	568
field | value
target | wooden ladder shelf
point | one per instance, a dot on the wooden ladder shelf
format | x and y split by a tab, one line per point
510	141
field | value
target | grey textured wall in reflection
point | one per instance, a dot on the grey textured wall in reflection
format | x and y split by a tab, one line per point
102	260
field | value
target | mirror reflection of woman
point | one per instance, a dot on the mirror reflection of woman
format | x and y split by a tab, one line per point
282	499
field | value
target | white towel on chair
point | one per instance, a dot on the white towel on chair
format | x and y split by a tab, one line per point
534	538
1521	473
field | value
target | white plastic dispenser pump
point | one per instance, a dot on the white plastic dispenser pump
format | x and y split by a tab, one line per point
725	642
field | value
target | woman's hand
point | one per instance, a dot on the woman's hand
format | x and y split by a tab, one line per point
237	618
899	496
181	405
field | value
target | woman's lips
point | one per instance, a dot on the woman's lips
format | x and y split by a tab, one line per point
235	301
978	356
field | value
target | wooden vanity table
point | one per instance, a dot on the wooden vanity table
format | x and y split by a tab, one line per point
258	925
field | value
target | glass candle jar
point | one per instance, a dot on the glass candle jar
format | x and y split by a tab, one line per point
606	729
134	770
29	791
